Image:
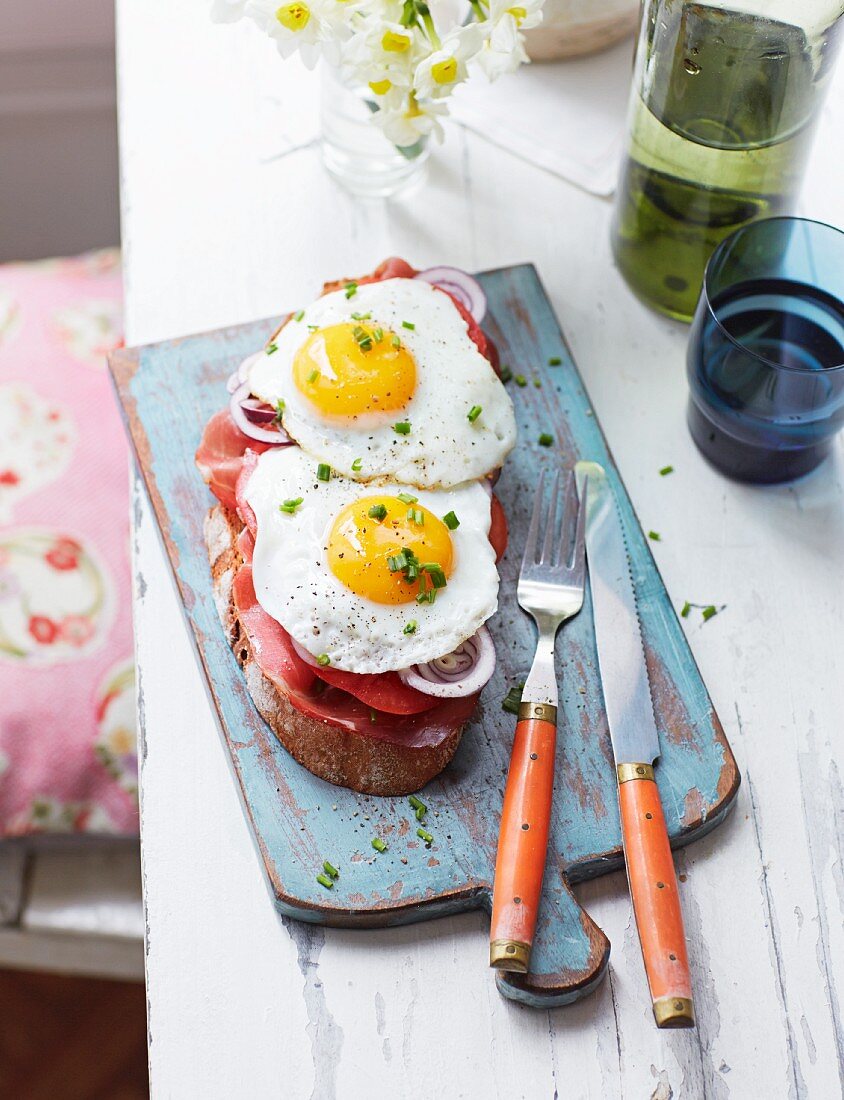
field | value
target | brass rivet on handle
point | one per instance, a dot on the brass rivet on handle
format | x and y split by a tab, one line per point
626	772
540	712
510	955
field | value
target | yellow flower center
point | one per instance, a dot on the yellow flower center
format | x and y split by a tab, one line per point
380	87
413	109
444	72
519	14
393	42
294	17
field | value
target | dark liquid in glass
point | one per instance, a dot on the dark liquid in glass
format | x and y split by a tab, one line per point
768	393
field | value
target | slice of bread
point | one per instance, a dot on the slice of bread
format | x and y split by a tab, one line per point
369	764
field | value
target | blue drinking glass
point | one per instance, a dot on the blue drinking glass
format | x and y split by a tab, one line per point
766	350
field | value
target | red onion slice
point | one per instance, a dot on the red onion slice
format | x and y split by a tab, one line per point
243	418
463	286
457	674
242	371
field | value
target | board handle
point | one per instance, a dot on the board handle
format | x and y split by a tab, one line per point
656	902
523	840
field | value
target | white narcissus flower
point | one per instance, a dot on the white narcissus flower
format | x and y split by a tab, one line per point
382	57
413	120
295	25
438	73
504	49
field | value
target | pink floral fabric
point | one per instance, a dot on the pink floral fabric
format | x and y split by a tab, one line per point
68	758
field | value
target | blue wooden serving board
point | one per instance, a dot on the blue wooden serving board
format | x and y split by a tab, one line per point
168	391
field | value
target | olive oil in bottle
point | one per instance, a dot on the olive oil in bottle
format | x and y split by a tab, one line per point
720	127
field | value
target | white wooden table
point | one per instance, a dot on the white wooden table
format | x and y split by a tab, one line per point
225	221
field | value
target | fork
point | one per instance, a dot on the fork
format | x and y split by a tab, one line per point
550	590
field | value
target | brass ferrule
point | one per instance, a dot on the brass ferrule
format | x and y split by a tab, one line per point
510	955
542	712
674	1012
626	772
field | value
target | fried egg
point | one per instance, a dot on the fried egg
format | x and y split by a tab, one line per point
383	380
369	577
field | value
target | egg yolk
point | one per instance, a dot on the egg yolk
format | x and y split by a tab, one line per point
347	369
360	546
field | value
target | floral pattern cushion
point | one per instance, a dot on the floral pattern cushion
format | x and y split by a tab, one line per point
68	758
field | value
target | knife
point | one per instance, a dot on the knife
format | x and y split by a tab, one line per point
635	743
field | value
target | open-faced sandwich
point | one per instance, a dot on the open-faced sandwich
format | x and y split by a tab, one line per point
355	544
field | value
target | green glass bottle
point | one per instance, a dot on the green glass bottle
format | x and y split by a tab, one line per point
721	120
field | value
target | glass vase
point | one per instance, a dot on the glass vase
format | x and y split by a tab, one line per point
354	149
721	121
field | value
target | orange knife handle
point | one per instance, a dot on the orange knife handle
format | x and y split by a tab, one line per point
523	840
656	902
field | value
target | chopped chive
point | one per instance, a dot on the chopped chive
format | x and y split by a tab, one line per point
423	834
312	328
435	572
397	562
325	881
323	472
417	803
361	316
279	411
351	289
520	380
379	335
362	338
402	428
554	361
323	660
654	536
512	700
408	324
377	511
420	815
270	348
356	465
473	413
378	844
666	470
330	869
546	440
406	498
418	517
538	383
427	597
506	373
451	521
312	377
396	341
708	612
290	506
686	609
410	628
299	315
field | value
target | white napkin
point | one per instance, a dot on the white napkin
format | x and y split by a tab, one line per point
567	116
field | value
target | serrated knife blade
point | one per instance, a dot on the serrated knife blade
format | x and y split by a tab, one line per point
621	654
635	742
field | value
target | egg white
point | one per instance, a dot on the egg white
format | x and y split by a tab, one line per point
294	584
442	448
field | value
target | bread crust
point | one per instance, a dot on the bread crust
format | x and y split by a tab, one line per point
344	757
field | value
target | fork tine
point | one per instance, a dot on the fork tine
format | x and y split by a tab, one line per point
578	556
550	524
529	556
567	522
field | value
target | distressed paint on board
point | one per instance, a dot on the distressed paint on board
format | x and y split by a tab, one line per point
168	392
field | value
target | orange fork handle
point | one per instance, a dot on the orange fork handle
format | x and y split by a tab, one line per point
522	843
656	903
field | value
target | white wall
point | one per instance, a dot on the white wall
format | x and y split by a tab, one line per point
58	129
